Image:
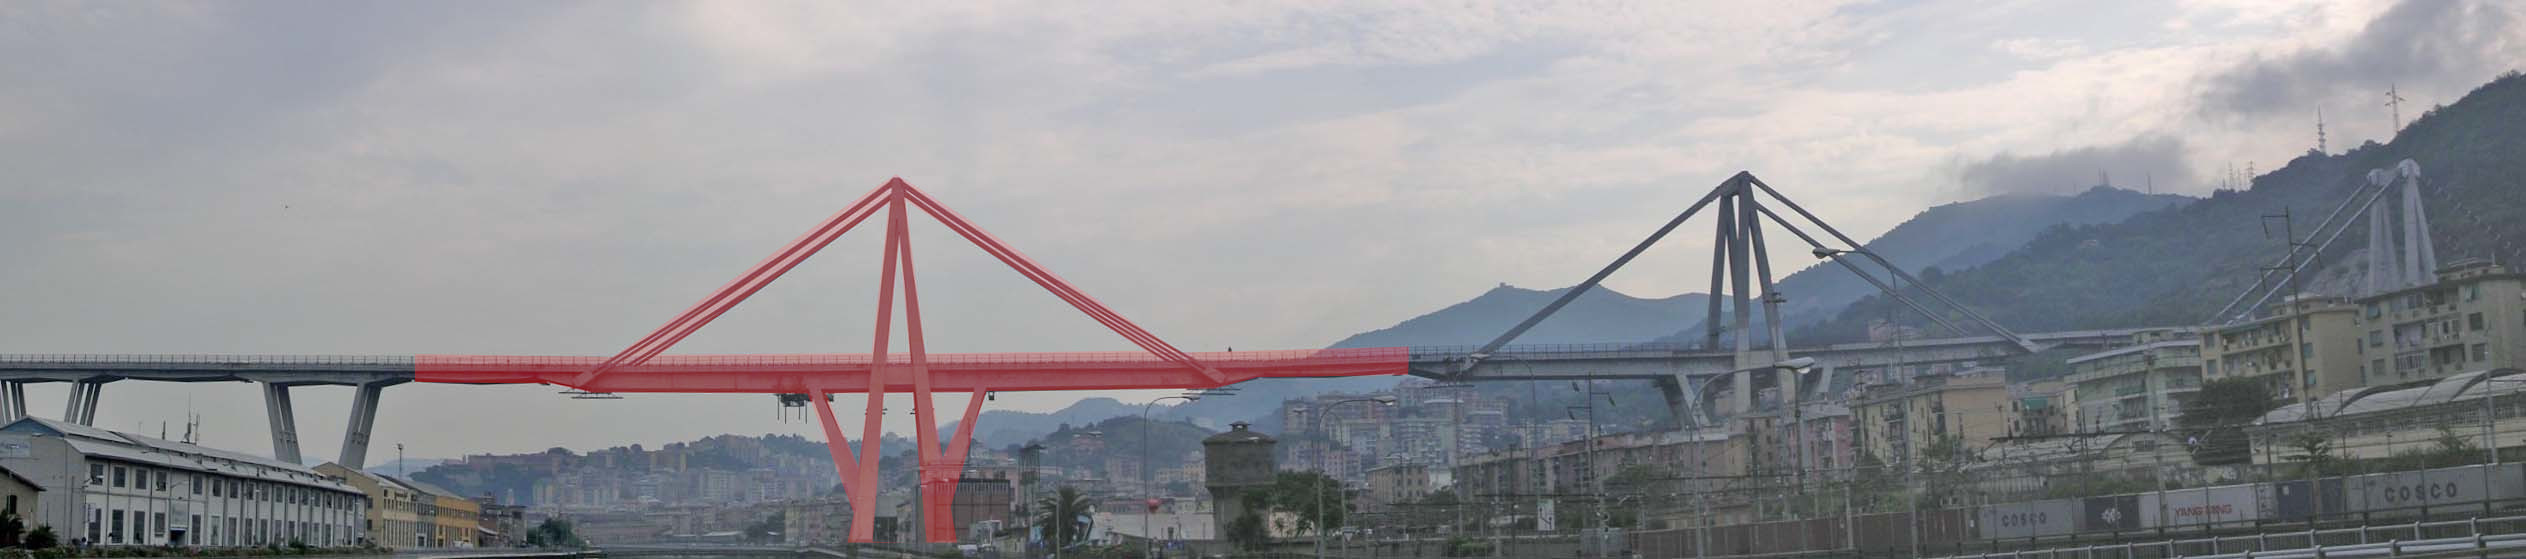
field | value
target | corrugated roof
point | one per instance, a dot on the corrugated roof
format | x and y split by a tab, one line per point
138	449
2388	398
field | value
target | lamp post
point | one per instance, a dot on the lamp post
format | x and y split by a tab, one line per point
1382	400
1149	539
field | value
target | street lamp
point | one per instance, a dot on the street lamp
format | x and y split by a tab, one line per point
1382	400
1148	486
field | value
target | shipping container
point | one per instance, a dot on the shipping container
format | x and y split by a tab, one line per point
2303	500
2399	492
2119	513
2028	520
2195	507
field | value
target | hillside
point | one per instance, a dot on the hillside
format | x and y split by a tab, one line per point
1952	236
2177	266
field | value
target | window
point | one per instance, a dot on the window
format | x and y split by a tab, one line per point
161	529
195	481
2481	352
215	487
119	473
114	530
2474	321
162	479
2376	338
2473	292
95	519
96	474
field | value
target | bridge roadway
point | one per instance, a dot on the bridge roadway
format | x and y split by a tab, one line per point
1677	369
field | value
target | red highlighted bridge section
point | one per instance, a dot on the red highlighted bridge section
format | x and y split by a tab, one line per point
642	367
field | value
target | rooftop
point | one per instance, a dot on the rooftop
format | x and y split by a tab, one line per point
2377	399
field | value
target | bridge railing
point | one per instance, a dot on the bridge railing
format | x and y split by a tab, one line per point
200	359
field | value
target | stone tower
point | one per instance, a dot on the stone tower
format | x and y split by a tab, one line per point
1234	463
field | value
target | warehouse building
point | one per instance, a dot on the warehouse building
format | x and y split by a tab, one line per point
110	488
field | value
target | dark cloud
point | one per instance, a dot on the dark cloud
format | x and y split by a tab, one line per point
2157	158
2426	43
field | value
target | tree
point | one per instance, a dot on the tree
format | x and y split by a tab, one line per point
2314	454
11	528
2213	421
1248	531
1059	514
42	538
762	530
554	532
1309	496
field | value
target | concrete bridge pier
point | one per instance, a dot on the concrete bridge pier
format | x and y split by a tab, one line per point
84	395
13	401
284	421
363	420
1682	401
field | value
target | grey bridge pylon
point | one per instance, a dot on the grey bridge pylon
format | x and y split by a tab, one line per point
1740	274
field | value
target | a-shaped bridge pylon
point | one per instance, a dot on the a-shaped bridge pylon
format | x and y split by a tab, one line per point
642	367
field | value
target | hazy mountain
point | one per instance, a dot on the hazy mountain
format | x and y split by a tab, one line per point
1952	236
2176	267
1599	316
999	428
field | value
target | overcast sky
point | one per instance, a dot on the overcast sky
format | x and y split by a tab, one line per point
560	178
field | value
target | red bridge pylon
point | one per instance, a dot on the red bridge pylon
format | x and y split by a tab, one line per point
819	376
940	468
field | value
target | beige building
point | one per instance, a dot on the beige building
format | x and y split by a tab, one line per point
393	508
18	494
2135	388
2473	319
816	521
1403	483
1894	423
2307	348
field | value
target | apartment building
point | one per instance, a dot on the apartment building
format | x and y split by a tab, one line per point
2306	348
2472	319
111	488
2135	388
1896	422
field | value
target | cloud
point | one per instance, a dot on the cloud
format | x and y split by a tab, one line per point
2429	43
558	178
2158	158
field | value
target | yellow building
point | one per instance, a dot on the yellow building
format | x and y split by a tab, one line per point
1894	423
2307	348
2473	319
393	508
454	521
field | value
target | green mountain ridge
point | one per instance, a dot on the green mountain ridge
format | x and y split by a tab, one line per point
2177	266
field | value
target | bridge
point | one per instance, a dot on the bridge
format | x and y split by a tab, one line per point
1683	373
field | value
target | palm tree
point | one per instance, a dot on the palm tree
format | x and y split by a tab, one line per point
1059	515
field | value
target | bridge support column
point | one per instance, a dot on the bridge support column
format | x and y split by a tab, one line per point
283	420
13	401
84	395
1680	401
363	421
